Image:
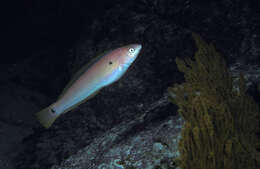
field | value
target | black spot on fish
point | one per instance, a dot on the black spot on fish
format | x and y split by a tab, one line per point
110	62
53	111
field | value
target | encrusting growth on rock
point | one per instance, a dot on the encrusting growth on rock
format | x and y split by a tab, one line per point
220	122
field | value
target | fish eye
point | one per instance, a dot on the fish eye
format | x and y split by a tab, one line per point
110	62
131	50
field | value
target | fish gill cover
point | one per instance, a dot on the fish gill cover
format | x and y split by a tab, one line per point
220	122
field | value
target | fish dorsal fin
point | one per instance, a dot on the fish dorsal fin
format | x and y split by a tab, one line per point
81	71
84	100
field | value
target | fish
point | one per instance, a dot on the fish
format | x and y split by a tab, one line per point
102	71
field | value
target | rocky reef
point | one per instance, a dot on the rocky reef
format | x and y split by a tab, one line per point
130	123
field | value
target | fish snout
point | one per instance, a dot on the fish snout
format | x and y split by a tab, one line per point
137	48
134	50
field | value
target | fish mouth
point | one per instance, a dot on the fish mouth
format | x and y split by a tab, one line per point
138	48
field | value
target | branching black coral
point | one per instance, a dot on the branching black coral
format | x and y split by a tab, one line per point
220	122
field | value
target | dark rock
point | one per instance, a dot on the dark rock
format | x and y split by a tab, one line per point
17	121
68	34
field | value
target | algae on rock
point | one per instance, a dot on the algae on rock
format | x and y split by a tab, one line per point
220	122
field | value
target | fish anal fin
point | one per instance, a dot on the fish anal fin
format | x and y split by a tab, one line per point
84	100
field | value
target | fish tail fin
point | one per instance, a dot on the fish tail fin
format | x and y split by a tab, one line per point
47	116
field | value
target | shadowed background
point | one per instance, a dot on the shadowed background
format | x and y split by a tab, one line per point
44	42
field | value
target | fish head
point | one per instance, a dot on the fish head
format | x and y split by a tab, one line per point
121	58
128	54
118	61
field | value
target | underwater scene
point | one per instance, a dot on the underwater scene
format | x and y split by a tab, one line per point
133	84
